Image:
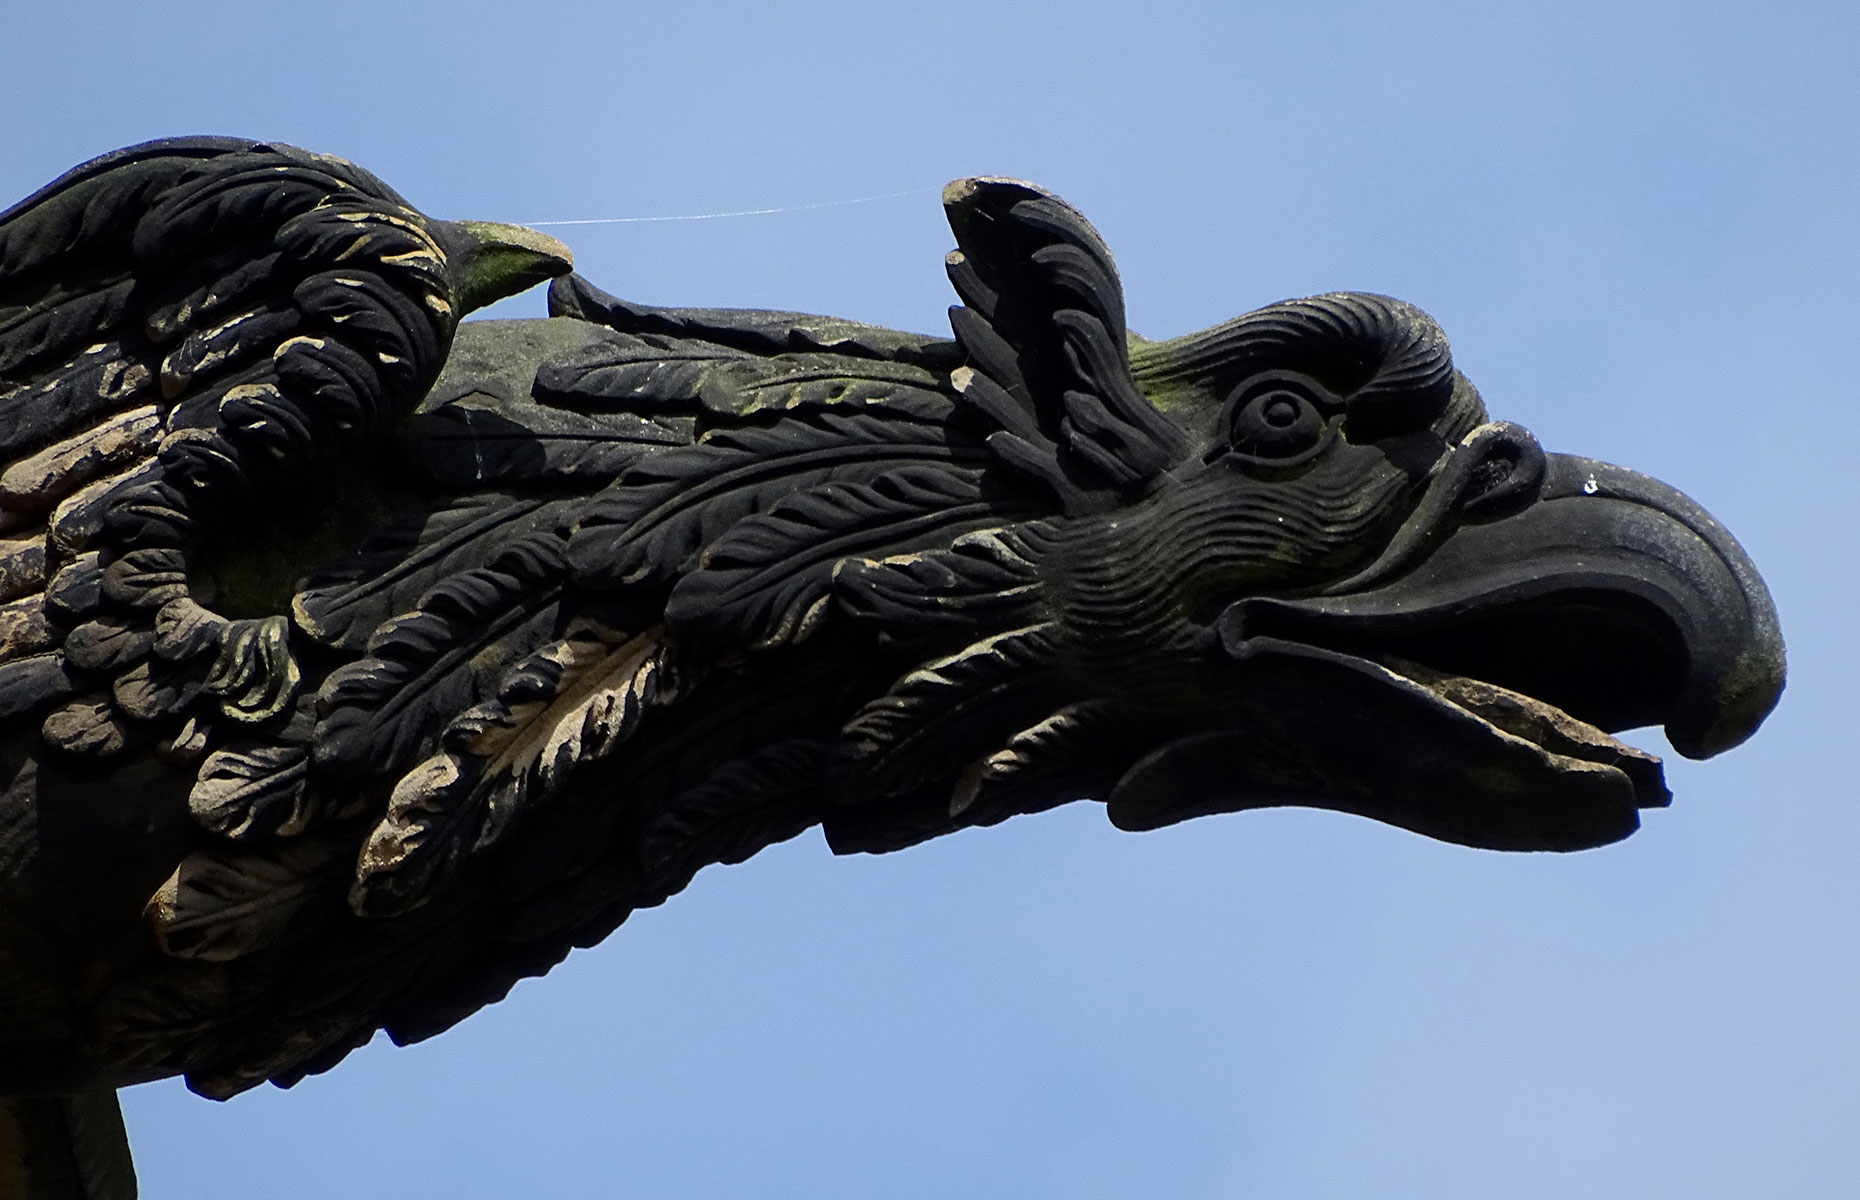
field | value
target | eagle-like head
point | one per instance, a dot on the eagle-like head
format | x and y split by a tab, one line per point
1300	564
526	622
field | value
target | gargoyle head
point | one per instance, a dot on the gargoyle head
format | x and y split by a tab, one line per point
1300	565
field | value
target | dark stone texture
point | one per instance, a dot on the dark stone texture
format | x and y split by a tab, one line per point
376	661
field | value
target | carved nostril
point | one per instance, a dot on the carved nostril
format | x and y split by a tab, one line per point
1506	471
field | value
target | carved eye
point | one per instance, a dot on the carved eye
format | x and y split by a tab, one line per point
1278	417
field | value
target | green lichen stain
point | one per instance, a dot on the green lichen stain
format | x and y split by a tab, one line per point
491	261
1749	690
1172	397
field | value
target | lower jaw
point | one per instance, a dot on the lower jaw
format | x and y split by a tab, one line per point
1445	755
1543	725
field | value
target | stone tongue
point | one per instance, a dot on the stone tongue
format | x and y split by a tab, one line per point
1543	724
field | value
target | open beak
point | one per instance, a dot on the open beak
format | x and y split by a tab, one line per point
1467	690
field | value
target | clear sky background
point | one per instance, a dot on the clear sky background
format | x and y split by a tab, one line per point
1637	222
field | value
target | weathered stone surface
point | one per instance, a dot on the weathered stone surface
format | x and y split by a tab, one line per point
22	567
62	468
364	662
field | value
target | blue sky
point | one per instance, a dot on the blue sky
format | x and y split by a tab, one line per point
1637	224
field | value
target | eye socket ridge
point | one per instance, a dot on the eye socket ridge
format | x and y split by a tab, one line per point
1278	417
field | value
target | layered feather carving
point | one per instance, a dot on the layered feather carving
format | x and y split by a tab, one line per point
185	328
568	704
449	646
1042	323
631	526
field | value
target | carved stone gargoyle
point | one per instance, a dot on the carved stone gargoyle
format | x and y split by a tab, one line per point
356	663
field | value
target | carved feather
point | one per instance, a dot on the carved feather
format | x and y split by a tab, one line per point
528	447
220	905
654	374
984	579
570	703
386	710
343	604
947	711
743	806
767	580
756	331
253	789
1045	327
655	519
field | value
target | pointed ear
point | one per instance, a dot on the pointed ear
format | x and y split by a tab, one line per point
1042	324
